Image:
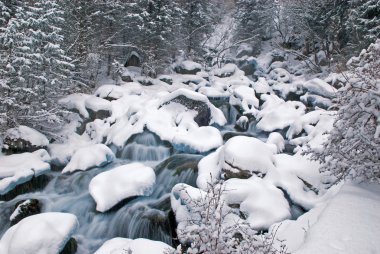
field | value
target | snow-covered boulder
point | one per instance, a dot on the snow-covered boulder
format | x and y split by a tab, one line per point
276	141
319	87
98	108
244	97
76	103
89	157
226	71
111	187
20	168
280	75
246	156
242	123
187	67
261	202
45	233
110	92
276	114
24	139
136	246
240	157
313	100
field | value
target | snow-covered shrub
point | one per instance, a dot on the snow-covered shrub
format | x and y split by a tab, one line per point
213	227
353	149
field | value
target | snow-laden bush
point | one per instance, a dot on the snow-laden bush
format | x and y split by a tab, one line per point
353	149
210	226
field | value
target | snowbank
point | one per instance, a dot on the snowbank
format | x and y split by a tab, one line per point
20	168
88	157
111	187
137	246
45	233
27	134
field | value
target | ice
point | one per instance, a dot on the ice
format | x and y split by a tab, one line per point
35	138
19	168
45	233
88	157
111	187
137	246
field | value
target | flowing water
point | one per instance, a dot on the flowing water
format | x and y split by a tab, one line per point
145	217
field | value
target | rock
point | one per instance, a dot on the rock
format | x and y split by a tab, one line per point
126	77
278	56
145	81
166	79
23	139
188	67
244	50
280	75
98	108
249	66
25	208
203	117
242	123
70	247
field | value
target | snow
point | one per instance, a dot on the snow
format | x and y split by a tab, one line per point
111	187
320	87
276	141
76	102
28	134
262	203
277	114
190	65
88	157
109	91
137	246
245	98
348	223
19	168
97	104
45	233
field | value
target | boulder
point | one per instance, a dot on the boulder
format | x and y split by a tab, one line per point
23	139
25	208
188	67
249	66
203	117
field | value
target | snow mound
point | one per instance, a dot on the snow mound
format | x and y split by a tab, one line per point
27	134
137	246
19	168
45	233
240	157
276	141
261	203
76	102
111	187
319	87
245	98
349	224
88	157
96	104
277	114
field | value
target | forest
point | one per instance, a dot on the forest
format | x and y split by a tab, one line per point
198	127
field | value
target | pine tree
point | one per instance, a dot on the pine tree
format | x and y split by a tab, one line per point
36	68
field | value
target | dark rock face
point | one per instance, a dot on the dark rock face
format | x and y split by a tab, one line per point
181	70
100	114
19	146
70	247
278	56
126	78
36	183
145	82
167	80
203	117
26	208
248	66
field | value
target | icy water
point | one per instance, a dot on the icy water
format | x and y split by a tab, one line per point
145	217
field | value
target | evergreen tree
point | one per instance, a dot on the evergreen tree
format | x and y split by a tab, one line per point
36	69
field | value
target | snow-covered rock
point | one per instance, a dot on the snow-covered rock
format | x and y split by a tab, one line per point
280	75
76	102
277	114
98	108
88	157
45	233
136	246
19	168
240	157
244	97
25	208
319	87
24	139
187	67
261	202
111	187
276	141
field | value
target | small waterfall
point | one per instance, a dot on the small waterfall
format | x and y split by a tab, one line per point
230	113
145	146
145	217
